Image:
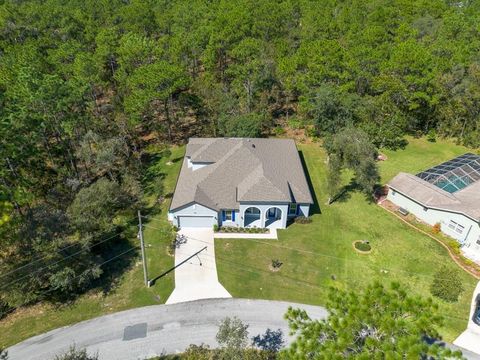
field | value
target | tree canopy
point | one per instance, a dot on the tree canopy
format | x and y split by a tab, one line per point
87	87
377	323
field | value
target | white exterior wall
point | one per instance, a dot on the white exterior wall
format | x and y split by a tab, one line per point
237	222
191	210
304	210
263	212
200	210
470	234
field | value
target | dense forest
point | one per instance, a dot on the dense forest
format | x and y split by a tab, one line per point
89	88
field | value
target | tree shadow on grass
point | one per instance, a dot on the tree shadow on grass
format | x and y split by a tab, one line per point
346	191
315	207
123	255
176	159
113	258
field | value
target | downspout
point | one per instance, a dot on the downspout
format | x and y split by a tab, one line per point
466	236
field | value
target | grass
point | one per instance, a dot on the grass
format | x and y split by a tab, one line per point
318	255
314	256
129	291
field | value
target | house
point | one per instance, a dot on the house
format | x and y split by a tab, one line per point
243	182
447	194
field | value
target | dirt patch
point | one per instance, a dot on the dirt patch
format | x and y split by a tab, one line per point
382	157
273	269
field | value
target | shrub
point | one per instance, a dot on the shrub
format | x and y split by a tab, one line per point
215	227
436	228
303	220
232	336
3	354
279	130
431	135
166	153
454	245
295	123
362	246
171	247
276	264
76	354
446	284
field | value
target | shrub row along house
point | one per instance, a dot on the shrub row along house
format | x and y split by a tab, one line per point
240	182
447	194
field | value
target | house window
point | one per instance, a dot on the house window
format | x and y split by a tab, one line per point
456	226
460	229
292	209
452	224
252	211
478	240
228	215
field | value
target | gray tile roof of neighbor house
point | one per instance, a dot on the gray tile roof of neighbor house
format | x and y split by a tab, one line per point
241	170
465	201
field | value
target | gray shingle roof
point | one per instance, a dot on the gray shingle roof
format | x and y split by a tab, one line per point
465	201
241	170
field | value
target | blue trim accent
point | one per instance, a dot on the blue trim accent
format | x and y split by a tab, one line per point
233	215
224	216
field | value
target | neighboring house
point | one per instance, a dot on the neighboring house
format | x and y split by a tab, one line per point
240	182
448	194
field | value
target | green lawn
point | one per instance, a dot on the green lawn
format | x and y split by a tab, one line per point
318	255
312	254
129	291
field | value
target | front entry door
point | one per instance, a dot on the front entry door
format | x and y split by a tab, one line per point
272	212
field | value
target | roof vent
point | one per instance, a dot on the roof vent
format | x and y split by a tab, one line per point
253	145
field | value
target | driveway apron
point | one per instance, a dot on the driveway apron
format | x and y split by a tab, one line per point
195	268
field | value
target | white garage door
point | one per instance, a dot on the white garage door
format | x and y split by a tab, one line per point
196	221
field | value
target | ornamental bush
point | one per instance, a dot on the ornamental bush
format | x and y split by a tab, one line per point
446	284
303	220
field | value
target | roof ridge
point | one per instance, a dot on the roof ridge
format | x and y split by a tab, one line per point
264	173
213	167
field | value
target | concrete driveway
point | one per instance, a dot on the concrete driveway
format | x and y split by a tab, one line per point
161	329
470	338
196	271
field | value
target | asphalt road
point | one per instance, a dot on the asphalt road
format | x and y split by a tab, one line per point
145	332
154	330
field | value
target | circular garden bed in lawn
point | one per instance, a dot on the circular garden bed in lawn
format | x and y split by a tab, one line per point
362	246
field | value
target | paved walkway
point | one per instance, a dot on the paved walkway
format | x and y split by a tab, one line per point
470	338
196	271
271	235
153	330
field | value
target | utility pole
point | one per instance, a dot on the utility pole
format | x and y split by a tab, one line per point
142	245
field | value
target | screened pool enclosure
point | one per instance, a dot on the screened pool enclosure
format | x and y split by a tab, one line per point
455	174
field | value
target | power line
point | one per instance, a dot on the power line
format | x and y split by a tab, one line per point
255	270
58	261
311	253
43	257
35	261
83	273
320	254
